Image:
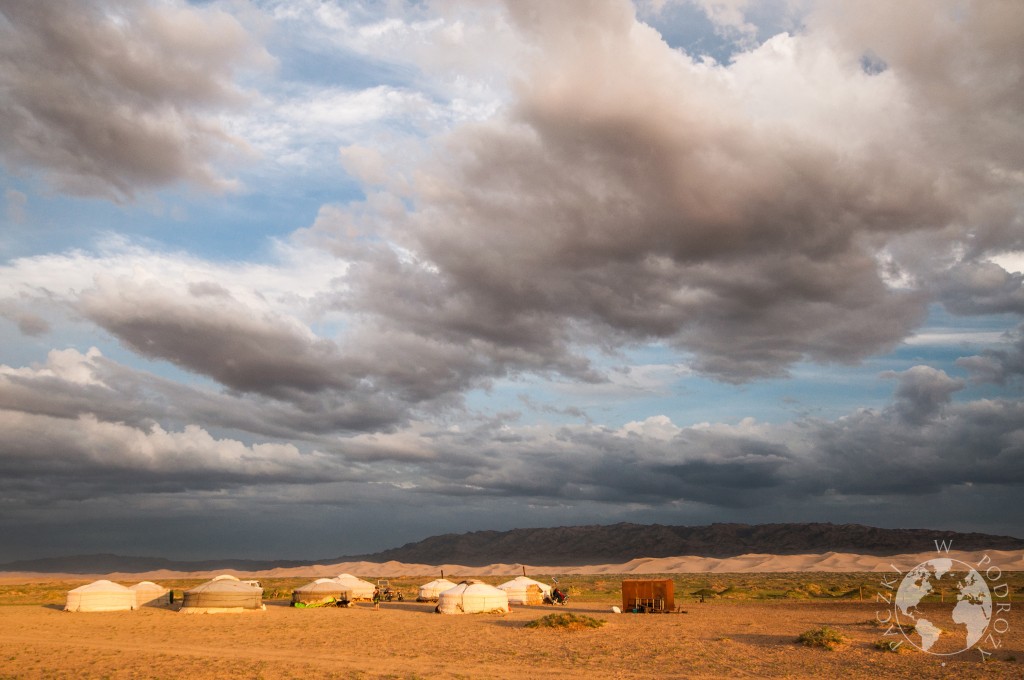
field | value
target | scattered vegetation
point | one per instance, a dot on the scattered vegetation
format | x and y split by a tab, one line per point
736	593
891	644
723	589
705	593
825	637
905	628
566	621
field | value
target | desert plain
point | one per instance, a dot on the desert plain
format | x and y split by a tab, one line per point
749	628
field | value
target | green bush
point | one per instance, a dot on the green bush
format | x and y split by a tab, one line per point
567	621
825	637
894	645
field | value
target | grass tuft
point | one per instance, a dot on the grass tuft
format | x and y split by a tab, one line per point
566	621
825	637
889	644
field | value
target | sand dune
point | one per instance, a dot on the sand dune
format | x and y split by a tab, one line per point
753	563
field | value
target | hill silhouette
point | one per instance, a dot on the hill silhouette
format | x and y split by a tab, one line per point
580	545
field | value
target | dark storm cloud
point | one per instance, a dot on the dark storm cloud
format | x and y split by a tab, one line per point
976	443
107	98
922	393
982	288
96	426
997	365
71	385
87	458
921	443
206	330
216	335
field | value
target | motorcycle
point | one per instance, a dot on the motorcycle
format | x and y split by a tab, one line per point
387	593
558	596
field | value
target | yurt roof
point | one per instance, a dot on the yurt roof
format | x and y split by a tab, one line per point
224	577
147	585
222	595
522	582
327	585
438	582
349	578
102	585
223	586
475	586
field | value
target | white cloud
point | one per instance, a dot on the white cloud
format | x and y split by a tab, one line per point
1012	261
655	427
953	337
291	285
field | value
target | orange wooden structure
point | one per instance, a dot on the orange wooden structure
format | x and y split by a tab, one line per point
654	595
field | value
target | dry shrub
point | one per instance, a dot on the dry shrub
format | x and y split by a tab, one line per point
705	592
905	628
566	621
825	637
891	645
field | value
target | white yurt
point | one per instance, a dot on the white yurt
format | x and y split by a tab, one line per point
472	597
224	594
357	588
524	590
429	592
100	596
320	590
149	594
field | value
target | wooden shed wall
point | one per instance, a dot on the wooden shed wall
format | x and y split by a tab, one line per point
654	591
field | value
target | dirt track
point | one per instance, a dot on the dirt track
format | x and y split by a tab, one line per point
406	640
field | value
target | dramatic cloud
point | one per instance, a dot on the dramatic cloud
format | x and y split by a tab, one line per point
982	288
712	207
208	331
109	98
917	445
509	262
997	365
914	446
923	392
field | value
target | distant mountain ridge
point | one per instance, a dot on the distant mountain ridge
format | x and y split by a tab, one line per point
596	544
579	545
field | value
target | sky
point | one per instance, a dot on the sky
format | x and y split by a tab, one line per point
300	279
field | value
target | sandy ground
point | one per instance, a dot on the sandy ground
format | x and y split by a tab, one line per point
407	640
716	639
